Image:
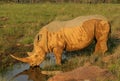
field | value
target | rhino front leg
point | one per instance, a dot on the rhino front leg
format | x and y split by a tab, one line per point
58	55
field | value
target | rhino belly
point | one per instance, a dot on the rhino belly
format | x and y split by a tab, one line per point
77	46
76	38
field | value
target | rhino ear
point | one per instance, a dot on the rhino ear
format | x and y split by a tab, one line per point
29	53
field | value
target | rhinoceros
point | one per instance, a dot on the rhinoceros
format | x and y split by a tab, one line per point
68	35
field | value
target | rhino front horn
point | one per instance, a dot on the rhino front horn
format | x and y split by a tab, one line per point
27	59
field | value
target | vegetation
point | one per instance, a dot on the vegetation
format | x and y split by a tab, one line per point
61	1
19	23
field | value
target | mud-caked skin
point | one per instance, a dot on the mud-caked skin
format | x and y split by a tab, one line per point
69	35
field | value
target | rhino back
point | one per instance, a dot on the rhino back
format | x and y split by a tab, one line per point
57	25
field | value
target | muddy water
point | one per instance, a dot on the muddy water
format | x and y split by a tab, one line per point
23	72
28	74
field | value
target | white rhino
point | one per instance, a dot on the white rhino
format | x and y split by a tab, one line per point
69	35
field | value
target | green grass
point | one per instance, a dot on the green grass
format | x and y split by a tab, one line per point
25	20
19	23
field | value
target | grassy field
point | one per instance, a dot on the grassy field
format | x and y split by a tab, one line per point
19	23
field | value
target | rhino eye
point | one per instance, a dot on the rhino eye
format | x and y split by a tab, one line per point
39	37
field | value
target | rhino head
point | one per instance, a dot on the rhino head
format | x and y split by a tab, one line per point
39	51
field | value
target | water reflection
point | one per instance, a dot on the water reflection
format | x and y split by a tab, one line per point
23	72
31	74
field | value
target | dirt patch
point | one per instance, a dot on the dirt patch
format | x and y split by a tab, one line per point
3	18
85	73
17	50
110	58
117	34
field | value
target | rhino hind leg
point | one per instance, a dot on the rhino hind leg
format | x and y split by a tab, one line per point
101	47
101	34
58	55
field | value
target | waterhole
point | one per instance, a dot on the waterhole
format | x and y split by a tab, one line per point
23	72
